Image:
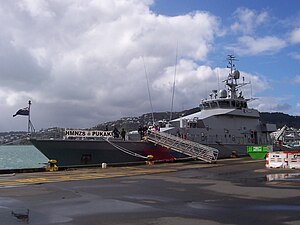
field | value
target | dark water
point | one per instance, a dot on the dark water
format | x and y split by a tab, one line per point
21	156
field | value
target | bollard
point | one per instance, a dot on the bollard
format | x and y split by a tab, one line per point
52	165
149	160
233	154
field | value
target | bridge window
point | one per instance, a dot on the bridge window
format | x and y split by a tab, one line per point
224	104
214	104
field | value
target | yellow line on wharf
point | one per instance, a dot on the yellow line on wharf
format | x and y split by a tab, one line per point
75	175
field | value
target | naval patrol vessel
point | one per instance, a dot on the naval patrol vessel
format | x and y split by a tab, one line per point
224	125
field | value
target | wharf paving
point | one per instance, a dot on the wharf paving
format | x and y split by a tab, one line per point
233	191
17	179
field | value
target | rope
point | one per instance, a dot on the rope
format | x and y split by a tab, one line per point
125	150
138	155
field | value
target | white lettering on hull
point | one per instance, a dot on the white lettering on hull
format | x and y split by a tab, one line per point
87	133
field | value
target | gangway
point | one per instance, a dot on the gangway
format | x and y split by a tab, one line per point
190	148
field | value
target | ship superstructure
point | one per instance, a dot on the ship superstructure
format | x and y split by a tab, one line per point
224	120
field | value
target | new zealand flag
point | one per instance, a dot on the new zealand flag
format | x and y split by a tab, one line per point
22	112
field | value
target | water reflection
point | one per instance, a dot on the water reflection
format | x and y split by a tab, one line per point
21	215
283	177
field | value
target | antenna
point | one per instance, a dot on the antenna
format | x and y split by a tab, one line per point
218	79
175	71
250	88
148	91
29	122
30	126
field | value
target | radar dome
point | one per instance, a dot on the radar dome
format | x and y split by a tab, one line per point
223	93
236	74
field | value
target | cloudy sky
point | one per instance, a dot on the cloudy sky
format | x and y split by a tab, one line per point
83	62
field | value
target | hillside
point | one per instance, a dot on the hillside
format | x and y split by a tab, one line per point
280	119
132	123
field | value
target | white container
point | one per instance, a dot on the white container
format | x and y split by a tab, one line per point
104	165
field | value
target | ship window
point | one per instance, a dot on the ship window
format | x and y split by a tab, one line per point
224	104
205	105
213	104
192	124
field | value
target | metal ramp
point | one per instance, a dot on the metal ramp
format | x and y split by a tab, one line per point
190	148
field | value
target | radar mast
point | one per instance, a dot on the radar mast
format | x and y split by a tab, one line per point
232	79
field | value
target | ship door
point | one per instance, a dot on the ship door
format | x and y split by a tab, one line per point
254	137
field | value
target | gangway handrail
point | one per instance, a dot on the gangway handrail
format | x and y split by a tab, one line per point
193	149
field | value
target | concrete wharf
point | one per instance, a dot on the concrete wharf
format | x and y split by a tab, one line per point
232	191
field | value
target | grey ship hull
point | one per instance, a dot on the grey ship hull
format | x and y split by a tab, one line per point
87	152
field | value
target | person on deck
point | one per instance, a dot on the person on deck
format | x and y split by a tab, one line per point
140	131
116	133
123	133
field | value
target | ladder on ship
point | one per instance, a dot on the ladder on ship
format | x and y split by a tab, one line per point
190	148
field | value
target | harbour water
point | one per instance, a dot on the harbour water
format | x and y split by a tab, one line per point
21	157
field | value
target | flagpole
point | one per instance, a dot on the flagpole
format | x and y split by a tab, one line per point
29	122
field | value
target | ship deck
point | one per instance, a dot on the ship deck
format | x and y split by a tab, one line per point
232	191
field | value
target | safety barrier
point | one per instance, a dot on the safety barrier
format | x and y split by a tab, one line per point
294	160
283	160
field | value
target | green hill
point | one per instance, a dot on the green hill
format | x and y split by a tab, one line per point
281	119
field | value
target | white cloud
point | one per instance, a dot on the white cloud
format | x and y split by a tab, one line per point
247	45
80	62
248	20
36	8
295	36
295	55
194	82
297	79
271	104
